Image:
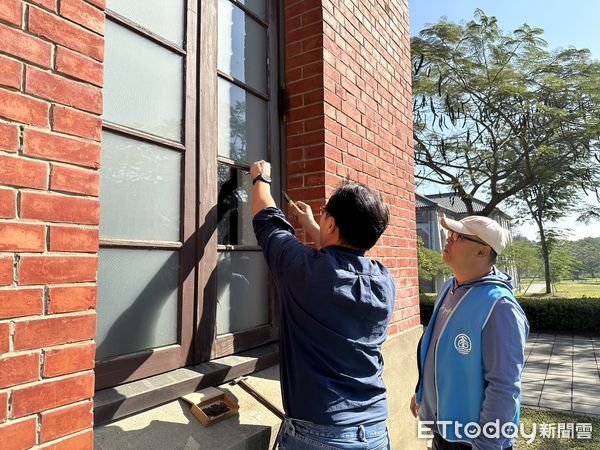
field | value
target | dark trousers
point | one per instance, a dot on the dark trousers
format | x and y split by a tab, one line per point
439	443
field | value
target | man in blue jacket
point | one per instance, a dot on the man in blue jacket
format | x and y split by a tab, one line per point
336	305
472	353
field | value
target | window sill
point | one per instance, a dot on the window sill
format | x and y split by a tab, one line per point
120	401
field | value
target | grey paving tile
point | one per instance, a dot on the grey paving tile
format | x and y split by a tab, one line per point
539	357
553	404
585	359
552	396
556	393
532	377
586	409
586	399
536	366
560	367
532	389
530	400
589	389
585	373
558	378
584	349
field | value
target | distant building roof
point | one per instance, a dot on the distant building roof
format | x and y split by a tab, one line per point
453	202
424	202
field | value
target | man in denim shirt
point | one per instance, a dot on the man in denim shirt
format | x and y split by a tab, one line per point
336	305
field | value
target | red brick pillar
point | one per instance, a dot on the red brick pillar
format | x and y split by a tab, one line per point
348	79
50	127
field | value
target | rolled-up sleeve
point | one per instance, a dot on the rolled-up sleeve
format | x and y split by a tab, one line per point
276	237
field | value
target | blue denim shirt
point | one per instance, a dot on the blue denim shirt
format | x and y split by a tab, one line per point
336	305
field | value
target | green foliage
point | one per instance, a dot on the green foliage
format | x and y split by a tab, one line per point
430	262
522	254
587	252
563	263
562	315
497	113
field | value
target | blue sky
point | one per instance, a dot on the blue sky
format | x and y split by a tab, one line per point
574	23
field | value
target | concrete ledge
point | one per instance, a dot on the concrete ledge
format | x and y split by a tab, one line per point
120	401
172	425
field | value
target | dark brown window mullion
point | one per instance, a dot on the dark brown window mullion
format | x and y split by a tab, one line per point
207	180
189	260
134	366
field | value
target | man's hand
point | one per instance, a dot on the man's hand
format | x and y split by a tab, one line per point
303	213
261	192
414	406
259	167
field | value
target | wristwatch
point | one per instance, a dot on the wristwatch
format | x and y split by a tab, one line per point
262	177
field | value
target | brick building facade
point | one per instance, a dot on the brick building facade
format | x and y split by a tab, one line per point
337	106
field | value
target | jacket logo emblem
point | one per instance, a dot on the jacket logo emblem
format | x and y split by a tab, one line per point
462	343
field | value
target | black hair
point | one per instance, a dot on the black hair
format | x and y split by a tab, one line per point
359	213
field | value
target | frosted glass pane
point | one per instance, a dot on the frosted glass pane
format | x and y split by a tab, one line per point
143	84
140	190
259	7
162	17
242	46
242	294
137	300
234	210
242	124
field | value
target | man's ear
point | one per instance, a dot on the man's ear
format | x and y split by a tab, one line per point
485	251
330	223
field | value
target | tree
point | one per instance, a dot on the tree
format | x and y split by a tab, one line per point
493	109
563	261
430	262
522	254
548	199
587	252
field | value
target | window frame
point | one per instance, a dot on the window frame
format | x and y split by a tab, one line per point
209	345
133	366
198	249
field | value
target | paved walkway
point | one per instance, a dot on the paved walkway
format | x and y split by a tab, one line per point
562	372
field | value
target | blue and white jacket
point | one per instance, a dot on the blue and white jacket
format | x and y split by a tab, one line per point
474	374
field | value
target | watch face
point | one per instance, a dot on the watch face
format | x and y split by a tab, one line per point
266	178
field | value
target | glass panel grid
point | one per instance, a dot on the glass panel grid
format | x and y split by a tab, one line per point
242	291
162	17
242	124
140	190
137	300
242	49
143	84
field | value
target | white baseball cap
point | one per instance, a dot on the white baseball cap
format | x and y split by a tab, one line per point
486	229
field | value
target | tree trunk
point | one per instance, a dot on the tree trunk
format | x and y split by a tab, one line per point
545	255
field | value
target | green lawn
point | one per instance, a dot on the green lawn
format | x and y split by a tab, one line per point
572	289
531	417
578	289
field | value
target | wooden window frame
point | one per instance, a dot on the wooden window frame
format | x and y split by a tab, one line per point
134	366
198	247
209	345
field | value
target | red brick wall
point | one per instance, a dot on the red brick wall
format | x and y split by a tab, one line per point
51	77
348	80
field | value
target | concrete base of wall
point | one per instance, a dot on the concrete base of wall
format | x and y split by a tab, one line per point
400	376
172	425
